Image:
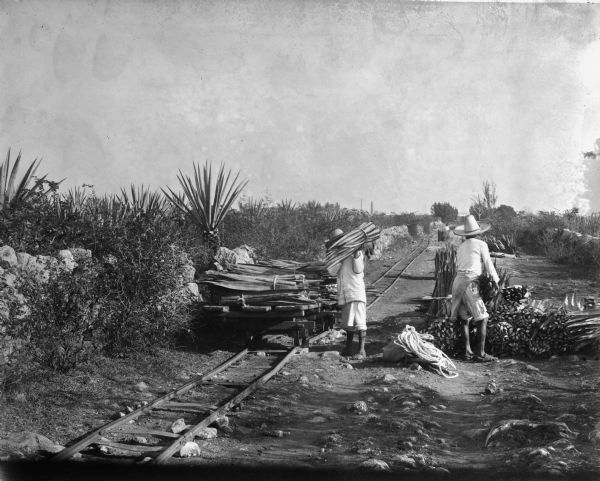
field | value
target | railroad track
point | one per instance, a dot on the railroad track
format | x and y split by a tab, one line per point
377	289
151	430
156	431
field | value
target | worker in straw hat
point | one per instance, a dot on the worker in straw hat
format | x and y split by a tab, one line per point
472	259
351	295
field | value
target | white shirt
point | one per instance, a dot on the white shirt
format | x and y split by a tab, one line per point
350	279
472	257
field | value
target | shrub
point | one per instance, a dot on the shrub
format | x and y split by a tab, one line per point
57	319
445	211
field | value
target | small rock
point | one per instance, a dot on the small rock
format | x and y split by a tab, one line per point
375	465
348	366
332	439
415	367
405	460
491	388
543	452
285	373
140	440
221	422
129	409
330	354
389	379
189	449
179	426
358	407
207	433
531	368
303	379
141	386
8	257
261	354
406	445
143	461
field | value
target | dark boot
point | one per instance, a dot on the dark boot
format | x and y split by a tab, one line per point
361	344
349	338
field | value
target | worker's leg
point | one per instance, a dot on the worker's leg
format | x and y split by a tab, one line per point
467	338
481	335
362	334
349	338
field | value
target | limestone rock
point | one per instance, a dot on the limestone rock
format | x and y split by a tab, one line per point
179	426
359	407
66	259
189	449
192	290
375	465
8	257
24	259
207	433
79	254
29	443
244	254
405	461
187	272
225	257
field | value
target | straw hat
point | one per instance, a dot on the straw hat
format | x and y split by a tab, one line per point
472	227
335	235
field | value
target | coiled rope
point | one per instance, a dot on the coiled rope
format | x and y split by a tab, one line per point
412	342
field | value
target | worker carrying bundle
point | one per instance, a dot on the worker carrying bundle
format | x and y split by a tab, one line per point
341	246
346	260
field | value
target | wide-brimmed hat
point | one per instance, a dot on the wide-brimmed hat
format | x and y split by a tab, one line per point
335	235
472	227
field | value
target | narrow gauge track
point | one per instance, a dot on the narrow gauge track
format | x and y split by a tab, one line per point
377	289
147	431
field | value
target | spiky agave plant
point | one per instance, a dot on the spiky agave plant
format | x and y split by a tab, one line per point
141	201
11	190
207	199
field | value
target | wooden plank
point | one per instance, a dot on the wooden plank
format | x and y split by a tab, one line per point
280	326
191	433
138	448
256	308
297	307
133	429
272	315
215	308
82	443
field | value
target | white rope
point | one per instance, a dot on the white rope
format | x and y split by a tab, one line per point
411	341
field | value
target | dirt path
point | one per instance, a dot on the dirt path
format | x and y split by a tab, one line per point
334	413
325	412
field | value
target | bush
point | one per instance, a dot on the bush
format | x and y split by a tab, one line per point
58	319
445	211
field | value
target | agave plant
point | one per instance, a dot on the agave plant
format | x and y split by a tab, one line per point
207	199
11	190
143	201
253	208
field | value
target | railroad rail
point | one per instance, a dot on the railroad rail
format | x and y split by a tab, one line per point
153	430
380	286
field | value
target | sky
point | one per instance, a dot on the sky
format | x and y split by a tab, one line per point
401	104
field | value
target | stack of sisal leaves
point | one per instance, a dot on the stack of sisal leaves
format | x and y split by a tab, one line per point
349	243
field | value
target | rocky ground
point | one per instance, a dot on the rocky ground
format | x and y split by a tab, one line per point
323	411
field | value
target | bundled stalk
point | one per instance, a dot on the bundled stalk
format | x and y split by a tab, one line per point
240	282
445	270
349	243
